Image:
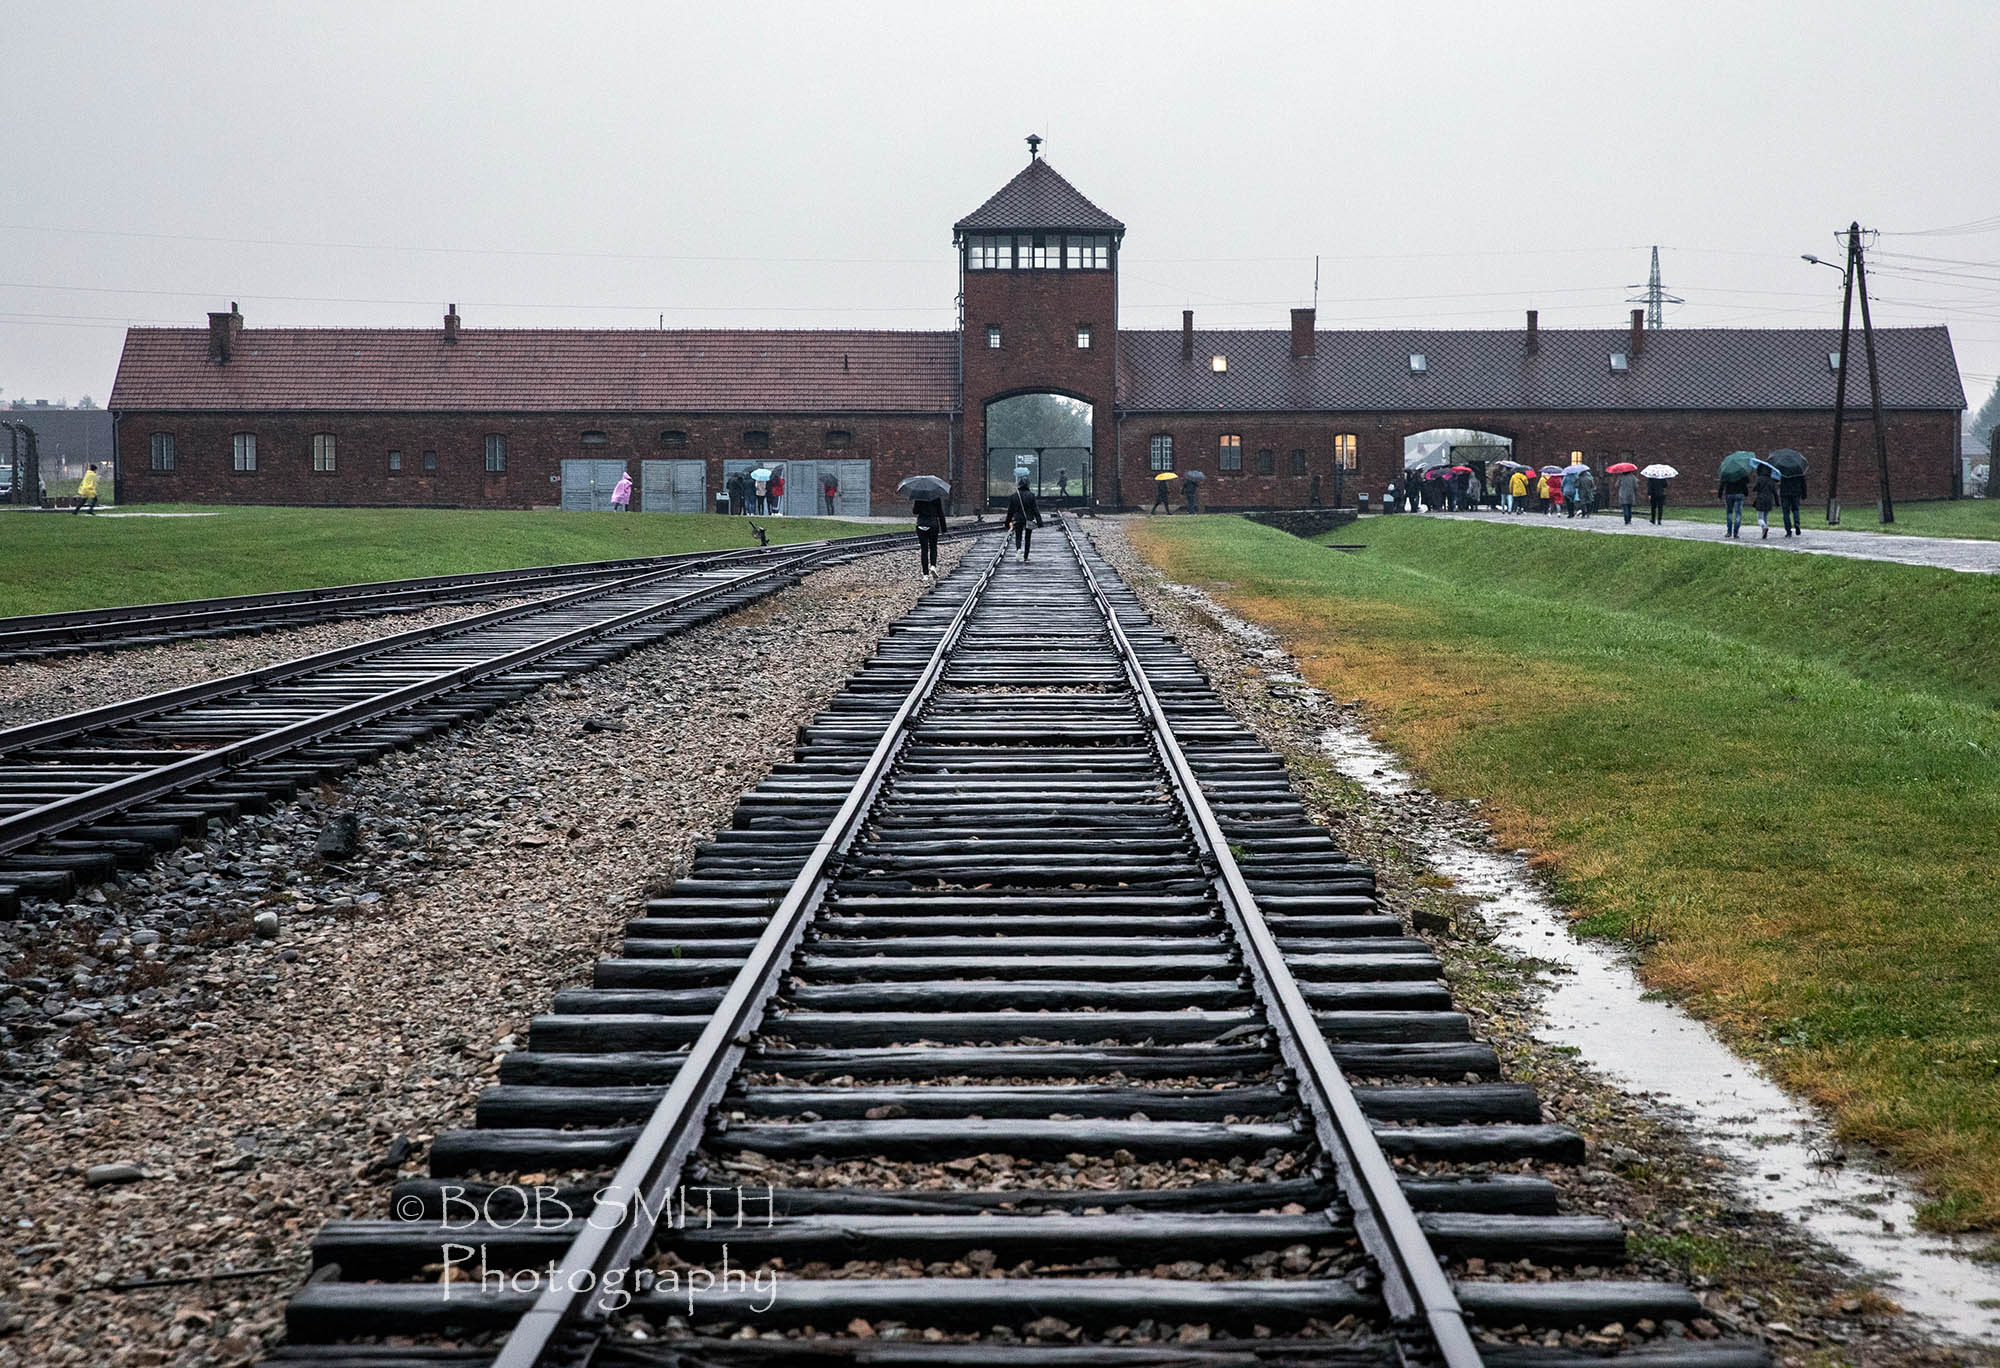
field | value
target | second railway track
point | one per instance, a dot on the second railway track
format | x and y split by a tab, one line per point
1024	1018
86	794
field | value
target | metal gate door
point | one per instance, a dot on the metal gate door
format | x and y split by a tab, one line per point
853	500
587	485
679	486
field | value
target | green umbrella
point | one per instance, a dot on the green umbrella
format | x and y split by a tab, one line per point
1739	465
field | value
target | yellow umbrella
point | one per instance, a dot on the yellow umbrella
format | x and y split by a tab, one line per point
1168	476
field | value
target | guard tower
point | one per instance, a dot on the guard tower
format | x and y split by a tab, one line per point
1038	277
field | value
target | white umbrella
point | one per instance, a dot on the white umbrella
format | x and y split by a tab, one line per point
1656	471
760	473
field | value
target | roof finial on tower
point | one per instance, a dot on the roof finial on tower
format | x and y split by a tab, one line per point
1034	146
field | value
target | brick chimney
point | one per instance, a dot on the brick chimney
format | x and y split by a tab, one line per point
451	322
1638	343
1302	333
222	330
1534	329
1187	334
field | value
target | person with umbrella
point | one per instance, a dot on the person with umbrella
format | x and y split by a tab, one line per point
1568	487
927	495
1161	503
1517	489
1190	491
1733	489
1020	511
1586	492
1764	497
1656	476
1627	487
1791	466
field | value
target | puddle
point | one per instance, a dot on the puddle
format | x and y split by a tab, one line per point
1781	1152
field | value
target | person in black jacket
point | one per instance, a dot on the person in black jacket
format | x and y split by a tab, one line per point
1792	492
930	522
1656	499
1764	498
1021	511
1732	492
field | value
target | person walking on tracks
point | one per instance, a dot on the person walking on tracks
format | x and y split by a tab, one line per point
930	522
1021	511
86	492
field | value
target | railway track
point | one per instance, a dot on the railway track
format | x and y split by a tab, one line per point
1023	1018
92	792
45	635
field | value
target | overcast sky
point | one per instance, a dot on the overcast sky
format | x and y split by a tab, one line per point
797	165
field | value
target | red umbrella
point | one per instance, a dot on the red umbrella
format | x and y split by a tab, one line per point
1622	468
1461	470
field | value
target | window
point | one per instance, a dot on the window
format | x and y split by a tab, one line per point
839	437
758	438
1218	363
395	463
1087	251
1034	252
673	437
323	453
1083	337
243	453
1266	461
1298	460
1833	361
1419	363
496	454
1162	456
591	438
1618	361
987	253
993	339
1346	449
430	462
1229	452
163	451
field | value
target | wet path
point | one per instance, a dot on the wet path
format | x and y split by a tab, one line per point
1943	553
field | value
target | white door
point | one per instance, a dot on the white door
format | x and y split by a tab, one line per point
587	485
853	499
677	486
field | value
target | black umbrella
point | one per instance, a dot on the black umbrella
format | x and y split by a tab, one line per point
1789	462
924	487
1196	476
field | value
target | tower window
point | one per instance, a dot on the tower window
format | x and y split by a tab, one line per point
993	338
1345	450
1266	461
1087	251
1298	460
1229	452
1083	337
1034	252
1162	453
988	253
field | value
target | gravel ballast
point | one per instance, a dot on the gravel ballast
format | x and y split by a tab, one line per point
261	1085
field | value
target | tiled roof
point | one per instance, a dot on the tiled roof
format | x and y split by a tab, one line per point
1038	198
1679	368
549	370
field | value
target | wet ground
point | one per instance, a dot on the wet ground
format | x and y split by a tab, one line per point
1943	553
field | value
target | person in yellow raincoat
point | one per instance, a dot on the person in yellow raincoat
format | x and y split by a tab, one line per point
86	492
1517	490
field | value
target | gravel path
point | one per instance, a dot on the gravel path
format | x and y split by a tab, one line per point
265	1086
1758	1274
31	690
1943	553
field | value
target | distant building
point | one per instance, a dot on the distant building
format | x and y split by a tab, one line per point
66	439
1039	382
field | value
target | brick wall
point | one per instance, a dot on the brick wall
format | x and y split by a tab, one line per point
537	445
1037	313
1922	450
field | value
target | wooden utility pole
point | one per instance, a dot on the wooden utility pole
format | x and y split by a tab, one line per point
1855	279
1874	377
1840	381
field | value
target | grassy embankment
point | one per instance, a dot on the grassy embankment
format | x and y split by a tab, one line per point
53	562
1780	775
1975	518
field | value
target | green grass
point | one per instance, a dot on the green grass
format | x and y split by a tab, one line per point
53	562
1778	774
1975	518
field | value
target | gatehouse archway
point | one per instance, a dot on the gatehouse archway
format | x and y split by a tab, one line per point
1045	438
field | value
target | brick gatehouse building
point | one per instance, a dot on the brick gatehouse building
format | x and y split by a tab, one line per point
1039	379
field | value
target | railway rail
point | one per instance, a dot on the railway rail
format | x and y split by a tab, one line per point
1023	1018
44	635
91	792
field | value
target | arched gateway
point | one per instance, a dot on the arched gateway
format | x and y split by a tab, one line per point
1044	439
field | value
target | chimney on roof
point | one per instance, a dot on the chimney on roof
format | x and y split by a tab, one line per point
1534	329
451	322
1187	334
222	330
1638	343
1303	326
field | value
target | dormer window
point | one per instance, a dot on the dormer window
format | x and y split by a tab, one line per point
1419	363
1618	363
1833	361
